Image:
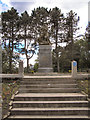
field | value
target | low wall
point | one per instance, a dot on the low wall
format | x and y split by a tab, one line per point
82	76
79	76
11	76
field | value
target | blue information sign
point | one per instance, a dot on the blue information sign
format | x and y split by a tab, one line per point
74	64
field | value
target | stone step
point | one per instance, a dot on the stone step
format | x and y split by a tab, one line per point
48	82
60	117
50	74
49	86
51	104
50	111
49	90
50	97
46	79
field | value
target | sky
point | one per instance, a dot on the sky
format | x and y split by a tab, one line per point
78	6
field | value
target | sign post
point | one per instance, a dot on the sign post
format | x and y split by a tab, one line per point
21	69
74	69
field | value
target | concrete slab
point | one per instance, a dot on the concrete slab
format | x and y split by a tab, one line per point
49	94
69	76
51	75
48	117
10	76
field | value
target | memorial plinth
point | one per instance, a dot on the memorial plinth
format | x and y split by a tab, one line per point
45	59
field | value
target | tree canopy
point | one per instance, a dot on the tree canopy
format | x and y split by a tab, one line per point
21	35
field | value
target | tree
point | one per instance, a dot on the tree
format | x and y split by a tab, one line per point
71	28
40	25
5	63
9	33
57	34
80	55
26	35
83	61
87	34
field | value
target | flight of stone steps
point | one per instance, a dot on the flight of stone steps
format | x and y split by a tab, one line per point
49	97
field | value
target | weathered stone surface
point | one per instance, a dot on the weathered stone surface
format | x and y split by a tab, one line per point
45	59
21	69
74	69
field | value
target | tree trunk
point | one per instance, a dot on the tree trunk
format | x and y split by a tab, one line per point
10	59
58	67
26	51
72	40
57	57
27	65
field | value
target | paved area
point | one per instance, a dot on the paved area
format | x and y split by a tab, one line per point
53	75
49	117
69	76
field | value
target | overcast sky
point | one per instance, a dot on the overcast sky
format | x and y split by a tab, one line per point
78	6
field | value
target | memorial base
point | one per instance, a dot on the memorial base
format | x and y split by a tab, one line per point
45	70
45	59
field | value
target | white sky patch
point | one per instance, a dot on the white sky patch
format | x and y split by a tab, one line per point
89	11
0	7
31	61
83	13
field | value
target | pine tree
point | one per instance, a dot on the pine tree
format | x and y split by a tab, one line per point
40	24
71	28
9	33
26	35
56	33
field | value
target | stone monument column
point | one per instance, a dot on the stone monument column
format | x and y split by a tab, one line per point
45	59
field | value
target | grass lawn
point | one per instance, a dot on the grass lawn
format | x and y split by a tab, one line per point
9	87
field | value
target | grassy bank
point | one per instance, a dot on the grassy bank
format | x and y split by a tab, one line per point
83	85
9	87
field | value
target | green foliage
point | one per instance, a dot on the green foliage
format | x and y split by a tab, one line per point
36	65
5	63
80	55
71	28
83	61
9	35
40	23
26	36
8	89
56	32
23	34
